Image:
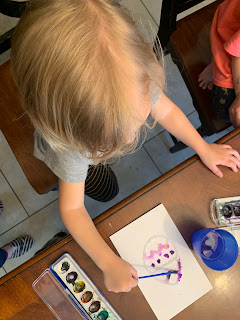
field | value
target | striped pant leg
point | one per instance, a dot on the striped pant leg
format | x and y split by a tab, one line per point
101	183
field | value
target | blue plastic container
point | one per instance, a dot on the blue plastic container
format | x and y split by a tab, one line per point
217	248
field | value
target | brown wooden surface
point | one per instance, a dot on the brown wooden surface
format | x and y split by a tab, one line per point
190	48
186	193
18	131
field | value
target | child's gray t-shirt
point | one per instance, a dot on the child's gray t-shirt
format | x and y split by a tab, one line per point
69	165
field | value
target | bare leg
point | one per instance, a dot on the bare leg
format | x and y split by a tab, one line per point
8	249
205	78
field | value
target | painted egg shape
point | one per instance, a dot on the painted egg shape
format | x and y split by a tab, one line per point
86	296
95	306
64	267
103	315
71	277
78	286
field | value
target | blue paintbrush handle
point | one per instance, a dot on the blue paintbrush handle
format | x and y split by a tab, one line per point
157	274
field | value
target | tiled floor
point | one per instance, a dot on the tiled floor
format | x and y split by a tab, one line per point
26	212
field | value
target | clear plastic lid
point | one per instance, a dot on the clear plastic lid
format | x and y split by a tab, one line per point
56	297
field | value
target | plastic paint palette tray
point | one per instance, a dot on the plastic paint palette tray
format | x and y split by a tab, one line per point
225	213
70	294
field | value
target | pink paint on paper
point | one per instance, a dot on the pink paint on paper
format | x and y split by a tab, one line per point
154	252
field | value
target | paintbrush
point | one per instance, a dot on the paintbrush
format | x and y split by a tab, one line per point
158	274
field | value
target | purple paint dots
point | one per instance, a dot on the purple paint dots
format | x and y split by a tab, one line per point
172	252
153	265
166	255
158	261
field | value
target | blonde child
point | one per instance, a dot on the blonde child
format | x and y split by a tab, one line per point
85	74
222	76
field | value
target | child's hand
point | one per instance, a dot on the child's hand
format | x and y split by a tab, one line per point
120	276
205	78
234	112
222	154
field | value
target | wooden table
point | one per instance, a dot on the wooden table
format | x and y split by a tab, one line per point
186	192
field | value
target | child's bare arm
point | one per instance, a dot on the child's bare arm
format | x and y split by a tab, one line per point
118	274
175	122
234	110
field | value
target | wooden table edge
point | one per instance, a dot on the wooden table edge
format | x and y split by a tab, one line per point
113	209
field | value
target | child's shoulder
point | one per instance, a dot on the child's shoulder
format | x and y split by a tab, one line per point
68	164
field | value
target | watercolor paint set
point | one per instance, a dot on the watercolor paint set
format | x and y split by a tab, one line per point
70	294
225	213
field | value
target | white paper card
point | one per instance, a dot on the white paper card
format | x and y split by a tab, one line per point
153	244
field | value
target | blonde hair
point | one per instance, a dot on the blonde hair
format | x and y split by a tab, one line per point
67	59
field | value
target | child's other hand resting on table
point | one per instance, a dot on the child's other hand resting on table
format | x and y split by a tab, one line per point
120	276
219	154
175	122
205	78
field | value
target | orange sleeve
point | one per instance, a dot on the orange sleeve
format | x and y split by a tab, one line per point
233	45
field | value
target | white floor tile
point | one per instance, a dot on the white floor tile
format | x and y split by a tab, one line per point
2	272
158	148
154	7
30	199
133	172
176	88
142	18
13	212
7	23
42	226
4	57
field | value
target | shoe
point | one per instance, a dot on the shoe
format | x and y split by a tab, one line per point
59	236
20	246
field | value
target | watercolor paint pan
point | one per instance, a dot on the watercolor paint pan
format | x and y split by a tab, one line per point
86	296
